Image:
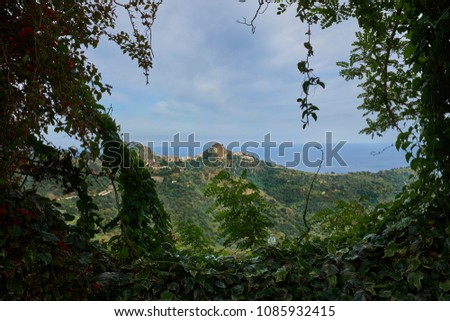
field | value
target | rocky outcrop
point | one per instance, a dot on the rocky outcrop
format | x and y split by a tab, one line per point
217	156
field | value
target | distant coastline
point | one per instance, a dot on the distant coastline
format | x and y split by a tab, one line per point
359	157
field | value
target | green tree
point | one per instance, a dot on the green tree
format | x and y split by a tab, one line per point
347	222
193	237
243	213
48	84
401	57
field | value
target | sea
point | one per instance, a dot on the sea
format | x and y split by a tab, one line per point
351	157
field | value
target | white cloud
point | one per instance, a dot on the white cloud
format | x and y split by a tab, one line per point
212	76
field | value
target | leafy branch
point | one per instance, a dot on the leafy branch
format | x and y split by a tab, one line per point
139	48
310	80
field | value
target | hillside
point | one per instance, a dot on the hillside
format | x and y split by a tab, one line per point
286	189
180	185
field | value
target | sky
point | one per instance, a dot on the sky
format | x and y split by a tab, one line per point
214	78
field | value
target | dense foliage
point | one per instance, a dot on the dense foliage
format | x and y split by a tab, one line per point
243	213
286	190
181	191
396	250
48	84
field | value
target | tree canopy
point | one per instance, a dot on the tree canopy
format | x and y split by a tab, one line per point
48	83
241	209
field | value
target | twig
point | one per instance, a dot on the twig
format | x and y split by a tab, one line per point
259	11
376	153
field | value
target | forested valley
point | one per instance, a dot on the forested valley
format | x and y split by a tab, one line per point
181	189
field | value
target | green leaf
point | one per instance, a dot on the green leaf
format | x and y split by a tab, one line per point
342	64
415	279
398	143
237	297
305	86
237	290
445	286
409	50
408	156
45	257
391	249
220	284
386	294
281	273
167	296
302	67
260	271
332	280
413	264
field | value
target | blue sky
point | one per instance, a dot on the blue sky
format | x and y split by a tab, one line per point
214	78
